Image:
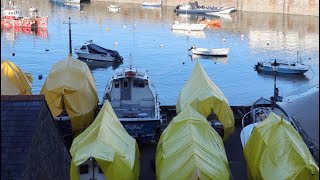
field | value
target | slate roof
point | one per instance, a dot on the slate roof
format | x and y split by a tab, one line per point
31	144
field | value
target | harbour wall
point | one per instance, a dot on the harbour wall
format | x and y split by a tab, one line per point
300	7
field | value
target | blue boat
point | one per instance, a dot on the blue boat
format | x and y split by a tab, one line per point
285	67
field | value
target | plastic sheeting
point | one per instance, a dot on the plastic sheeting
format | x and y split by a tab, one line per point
70	86
110	145
14	81
189	148
275	150
205	97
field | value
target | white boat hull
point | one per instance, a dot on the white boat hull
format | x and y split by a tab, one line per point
113	8
150	4
210	52
297	68
98	57
223	11
188	26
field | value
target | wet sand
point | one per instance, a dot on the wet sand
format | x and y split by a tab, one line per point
304	107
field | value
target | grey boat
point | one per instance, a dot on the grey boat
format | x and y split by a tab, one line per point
135	102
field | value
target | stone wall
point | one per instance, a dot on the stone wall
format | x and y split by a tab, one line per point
301	7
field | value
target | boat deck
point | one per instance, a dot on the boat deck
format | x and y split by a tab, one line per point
134	111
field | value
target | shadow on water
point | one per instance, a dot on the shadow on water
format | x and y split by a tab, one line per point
215	59
285	77
93	64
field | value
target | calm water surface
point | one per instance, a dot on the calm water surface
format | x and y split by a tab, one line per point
146	35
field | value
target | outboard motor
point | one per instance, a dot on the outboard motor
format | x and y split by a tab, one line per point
192	47
256	67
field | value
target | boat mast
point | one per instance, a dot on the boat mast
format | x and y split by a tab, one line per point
70	44
70	41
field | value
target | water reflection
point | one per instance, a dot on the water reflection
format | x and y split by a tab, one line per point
285	77
193	34
11	34
93	65
215	59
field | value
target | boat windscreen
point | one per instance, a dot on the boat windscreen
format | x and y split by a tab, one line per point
93	48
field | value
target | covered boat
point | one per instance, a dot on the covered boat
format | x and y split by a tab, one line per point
14	81
94	52
275	150
105	150
205	97
135	101
209	52
71	90
188	26
189	148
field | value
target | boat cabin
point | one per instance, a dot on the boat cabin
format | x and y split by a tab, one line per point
11	13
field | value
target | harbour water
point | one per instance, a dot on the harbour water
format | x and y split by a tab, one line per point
145	35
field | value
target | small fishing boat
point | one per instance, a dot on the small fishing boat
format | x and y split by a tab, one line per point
113	8
135	101
187	26
209	52
94	52
194	8
285	67
12	18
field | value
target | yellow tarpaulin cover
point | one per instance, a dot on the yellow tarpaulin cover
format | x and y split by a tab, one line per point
275	150
205	97
110	145
14	81
70	84
189	148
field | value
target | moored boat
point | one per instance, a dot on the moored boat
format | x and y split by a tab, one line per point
209	52
285	67
135	101
94	52
113	8
187	26
152	4
194	8
12	18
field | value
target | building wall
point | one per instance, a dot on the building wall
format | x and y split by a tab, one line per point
301	7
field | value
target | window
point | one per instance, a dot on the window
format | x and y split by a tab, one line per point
116	83
141	84
125	83
83	47
84	169
136	83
